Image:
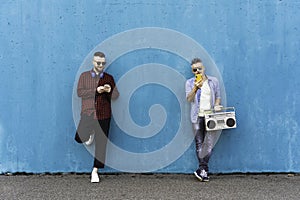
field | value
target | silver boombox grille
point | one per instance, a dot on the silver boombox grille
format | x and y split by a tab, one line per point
218	120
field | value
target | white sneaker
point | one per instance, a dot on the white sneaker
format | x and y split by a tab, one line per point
91	139
95	177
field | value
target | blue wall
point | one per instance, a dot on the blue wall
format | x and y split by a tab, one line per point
252	46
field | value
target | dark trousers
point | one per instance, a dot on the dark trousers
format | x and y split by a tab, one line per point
87	126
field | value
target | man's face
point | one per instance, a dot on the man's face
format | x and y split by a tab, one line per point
99	63
198	68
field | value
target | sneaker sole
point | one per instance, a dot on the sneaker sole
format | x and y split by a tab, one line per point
198	177
95	181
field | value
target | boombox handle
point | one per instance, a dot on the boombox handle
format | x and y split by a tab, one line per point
223	109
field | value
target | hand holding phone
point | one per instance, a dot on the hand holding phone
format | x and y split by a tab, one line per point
198	80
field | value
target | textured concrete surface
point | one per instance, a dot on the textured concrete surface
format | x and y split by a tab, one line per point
150	186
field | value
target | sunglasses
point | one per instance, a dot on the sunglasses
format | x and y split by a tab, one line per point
197	69
99	63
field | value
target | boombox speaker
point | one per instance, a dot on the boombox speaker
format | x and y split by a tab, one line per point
218	120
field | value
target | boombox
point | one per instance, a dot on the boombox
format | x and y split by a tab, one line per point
218	120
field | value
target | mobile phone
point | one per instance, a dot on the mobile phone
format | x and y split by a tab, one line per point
198	77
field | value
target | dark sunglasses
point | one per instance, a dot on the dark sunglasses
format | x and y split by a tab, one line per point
99	63
196	69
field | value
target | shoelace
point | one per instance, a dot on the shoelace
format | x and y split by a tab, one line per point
203	173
